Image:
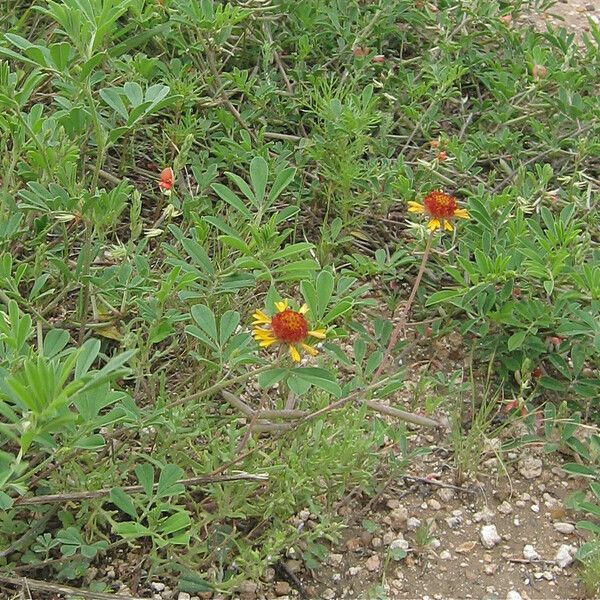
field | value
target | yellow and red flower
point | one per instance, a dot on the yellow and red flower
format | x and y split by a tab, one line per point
167	179
441	208
286	326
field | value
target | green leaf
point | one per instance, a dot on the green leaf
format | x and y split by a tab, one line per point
397	554
320	378
177	522
235	243
298	385
199	255
112	97
324	286
551	384
199	334
338	310
310	296
259	174
110	370
244	188
55	341
205	319
283	179
443	296
123	501
578	354
91	442
86	357
576	469
373	362
589	549
192	583
167	481
6	501
228	324
370	526
90	65
271	377
549	418
516	340
230	197
130	529
145	476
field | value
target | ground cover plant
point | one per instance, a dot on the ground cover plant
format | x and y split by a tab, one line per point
223	228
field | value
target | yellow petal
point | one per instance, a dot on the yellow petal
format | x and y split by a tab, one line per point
433	224
266	343
318	333
303	309
461	213
448	226
260	318
281	306
262	334
312	351
294	353
415	207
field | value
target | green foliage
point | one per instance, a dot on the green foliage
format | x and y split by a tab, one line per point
126	309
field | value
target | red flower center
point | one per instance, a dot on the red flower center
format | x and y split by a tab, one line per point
289	326
440	205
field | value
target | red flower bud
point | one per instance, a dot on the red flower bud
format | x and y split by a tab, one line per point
539	71
360	51
167	179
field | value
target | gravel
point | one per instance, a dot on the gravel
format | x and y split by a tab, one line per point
489	537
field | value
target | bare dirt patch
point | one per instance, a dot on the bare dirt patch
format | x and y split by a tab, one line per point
573	15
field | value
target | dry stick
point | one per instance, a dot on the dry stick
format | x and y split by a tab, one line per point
43	586
268	427
37	526
217	387
400	414
405	416
134	489
262	414
405	312
244	441
439	484
531	560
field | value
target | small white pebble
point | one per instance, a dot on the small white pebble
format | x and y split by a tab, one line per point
564	528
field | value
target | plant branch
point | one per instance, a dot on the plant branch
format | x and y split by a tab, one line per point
135	489
405	311
25	583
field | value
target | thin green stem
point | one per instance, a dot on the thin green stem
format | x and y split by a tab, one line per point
405	311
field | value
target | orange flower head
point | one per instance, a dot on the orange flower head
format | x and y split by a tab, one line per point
441	208
167	179
288	327
440	205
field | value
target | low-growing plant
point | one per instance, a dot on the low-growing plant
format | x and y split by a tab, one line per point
204	254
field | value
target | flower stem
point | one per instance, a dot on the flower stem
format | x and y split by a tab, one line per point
405	311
